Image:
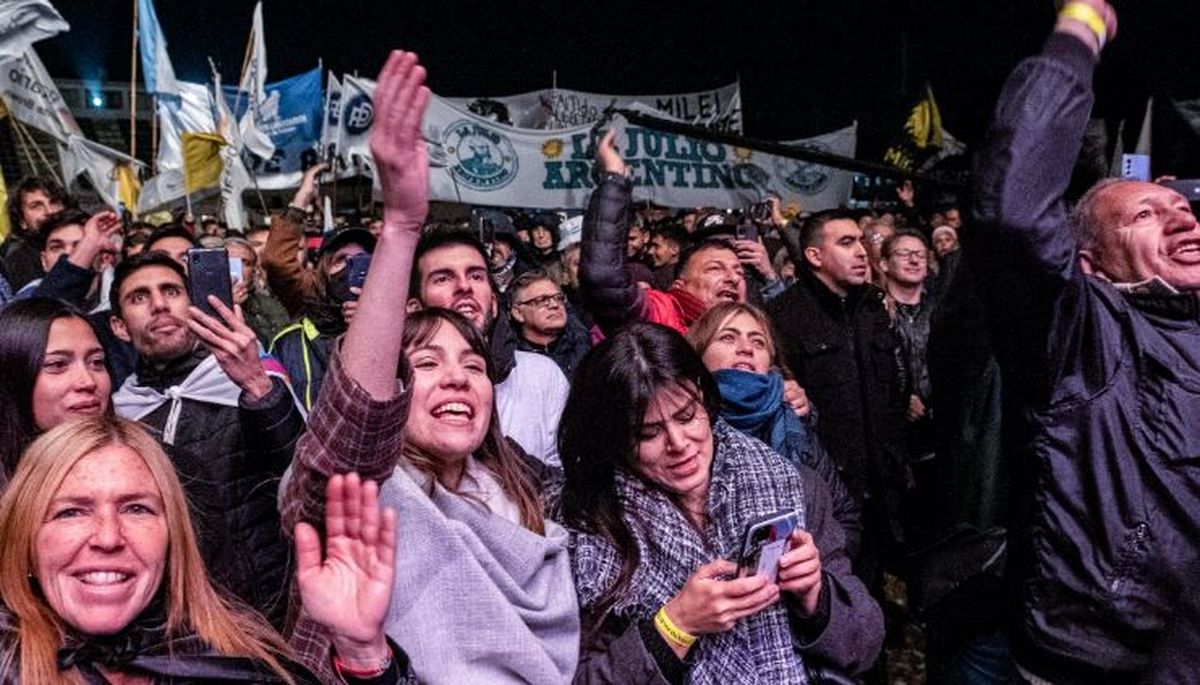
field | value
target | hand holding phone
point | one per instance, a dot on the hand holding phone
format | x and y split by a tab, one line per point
712	603
765	541
800	571
208	274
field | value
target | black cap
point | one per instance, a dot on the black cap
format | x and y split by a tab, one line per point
348	236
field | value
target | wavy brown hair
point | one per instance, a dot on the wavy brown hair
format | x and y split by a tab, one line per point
193	605
702	333
495	452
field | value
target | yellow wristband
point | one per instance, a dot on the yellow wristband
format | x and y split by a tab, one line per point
1088	15
671	631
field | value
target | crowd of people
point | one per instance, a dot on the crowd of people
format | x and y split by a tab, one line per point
537	448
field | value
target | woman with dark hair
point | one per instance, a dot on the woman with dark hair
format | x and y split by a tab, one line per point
658	494
483	590
53	369
737	344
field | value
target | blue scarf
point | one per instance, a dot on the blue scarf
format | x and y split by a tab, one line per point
753	403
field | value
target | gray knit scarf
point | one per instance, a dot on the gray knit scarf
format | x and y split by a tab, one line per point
748	481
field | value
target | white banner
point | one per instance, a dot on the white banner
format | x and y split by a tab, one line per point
33	98
559	108
474	160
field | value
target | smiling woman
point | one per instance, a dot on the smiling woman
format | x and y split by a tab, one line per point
53	370
101	579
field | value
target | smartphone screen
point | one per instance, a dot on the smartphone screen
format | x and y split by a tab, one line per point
358	266
208	274
765	541
237	270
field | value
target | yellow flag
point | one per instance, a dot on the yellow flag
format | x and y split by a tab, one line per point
128	186
202	164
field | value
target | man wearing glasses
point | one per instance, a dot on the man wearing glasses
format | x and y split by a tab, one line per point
544	324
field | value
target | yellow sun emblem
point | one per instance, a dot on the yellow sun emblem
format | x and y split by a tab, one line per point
551	149
743	154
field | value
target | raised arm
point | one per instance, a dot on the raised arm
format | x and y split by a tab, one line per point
357	420
608	290
1035	138
294	285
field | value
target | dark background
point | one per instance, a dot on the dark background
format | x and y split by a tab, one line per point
806	66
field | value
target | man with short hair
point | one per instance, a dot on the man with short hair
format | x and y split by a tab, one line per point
450	270
57	237
666	243
545	323
174	240
229	427
29	204
838	341
1100	318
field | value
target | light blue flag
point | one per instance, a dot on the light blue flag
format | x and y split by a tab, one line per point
156	64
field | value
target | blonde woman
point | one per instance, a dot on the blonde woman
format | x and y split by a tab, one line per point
101	580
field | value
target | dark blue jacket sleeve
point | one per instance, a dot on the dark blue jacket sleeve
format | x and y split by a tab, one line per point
1019	241
67	282
608	291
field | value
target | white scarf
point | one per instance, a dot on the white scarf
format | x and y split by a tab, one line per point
206	383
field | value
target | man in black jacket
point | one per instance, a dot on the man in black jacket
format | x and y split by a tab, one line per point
228	426
1097	320
838	341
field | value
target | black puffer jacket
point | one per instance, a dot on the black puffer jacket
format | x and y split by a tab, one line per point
230	460
844	353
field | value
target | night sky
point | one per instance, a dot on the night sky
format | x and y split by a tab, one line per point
806	66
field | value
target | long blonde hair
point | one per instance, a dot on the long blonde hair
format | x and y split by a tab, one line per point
193	605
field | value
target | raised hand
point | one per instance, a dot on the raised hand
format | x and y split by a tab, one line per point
800	571
796	398
306	194
349	591
608	155
97	240
396	143
234	345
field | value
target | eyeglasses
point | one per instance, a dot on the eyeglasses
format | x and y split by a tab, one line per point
905	254
543	301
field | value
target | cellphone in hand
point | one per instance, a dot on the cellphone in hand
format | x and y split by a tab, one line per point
746	231
766	540
358	266
237	270
208	274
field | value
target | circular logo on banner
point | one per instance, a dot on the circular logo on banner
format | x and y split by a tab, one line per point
358	114
482	158
803	177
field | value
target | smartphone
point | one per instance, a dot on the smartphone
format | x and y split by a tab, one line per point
357	269
237	270
766	540
746	231
208	274
1135	167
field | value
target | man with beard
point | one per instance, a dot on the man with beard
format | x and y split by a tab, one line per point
839	343
229	427
30	203
450	270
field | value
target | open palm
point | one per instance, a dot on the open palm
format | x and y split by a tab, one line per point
350	590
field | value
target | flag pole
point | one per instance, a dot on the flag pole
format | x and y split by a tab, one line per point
154	135
133	60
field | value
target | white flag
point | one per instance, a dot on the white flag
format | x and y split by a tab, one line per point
25	22
234	177
32	97
253	86
82	157
354	130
